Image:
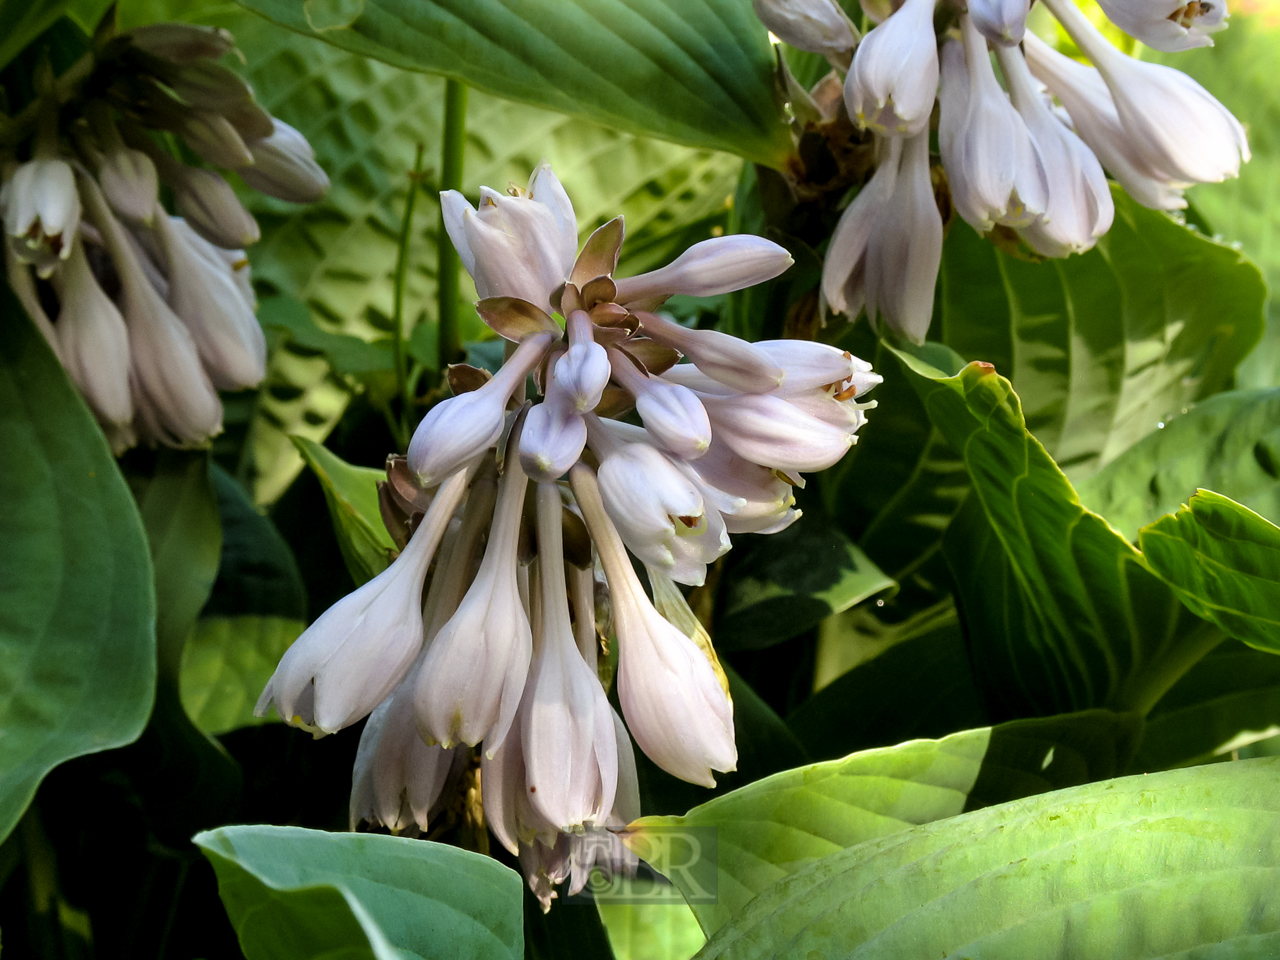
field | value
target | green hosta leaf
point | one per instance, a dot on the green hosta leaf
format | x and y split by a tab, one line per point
226	664
21	21
1104	346
352	495
1183	863
774	827
865	706
1227	701
294	893
699	74
1223	561
785	583
898	488
1237	70
651	931
1229	443
1060	611
77	605
343	352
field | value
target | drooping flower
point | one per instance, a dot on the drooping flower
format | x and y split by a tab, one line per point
818	26
894	78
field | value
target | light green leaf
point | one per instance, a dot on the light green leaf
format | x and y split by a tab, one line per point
77	604
1060	611
1227	701
787	582
774	827
1104	346
352	495
226	664
700	74
651	931
1229	443
1223	561
1176	864
344	352
294	893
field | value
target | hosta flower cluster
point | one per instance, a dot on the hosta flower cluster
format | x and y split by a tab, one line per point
521	521
150	314
1028	154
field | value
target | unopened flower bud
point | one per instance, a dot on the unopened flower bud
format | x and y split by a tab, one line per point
207	202
553	436
1003	22
285	167
460	428
767	430
718	265
181	42
214	139
818	26
128	179
583	371
671	413
724	358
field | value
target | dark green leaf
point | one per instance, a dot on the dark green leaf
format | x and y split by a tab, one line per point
1104	346
1060	611
1182	863
1227	701
294	893
21	21
352	495
698	74
922	685
785	583
1223	562
77	605
257	572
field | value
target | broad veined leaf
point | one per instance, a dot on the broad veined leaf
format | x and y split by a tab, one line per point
696	73
1237	70
785	583
365	119
352	495
774	827
1223	561
1182	863
77	604
1060	612
186	779
1104	346
865	706
227	662
1229	443
651	931
1227	701
295	893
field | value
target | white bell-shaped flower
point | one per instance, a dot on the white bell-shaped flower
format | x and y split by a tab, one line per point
671	698
767	430
42	212
1088	102
750	498
1003	22
474	671
1176	125
903	258
1169	25
844	270
358	650
1080	208
994	167
522	246
892	83
570	750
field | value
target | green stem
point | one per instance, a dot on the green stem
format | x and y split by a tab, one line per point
1157	679
402	265
455	138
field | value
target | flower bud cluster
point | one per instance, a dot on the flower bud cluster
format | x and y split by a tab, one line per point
518	523
1011	160
151	314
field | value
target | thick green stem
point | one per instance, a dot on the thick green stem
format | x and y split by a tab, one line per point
401	428
1157	679
455	138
